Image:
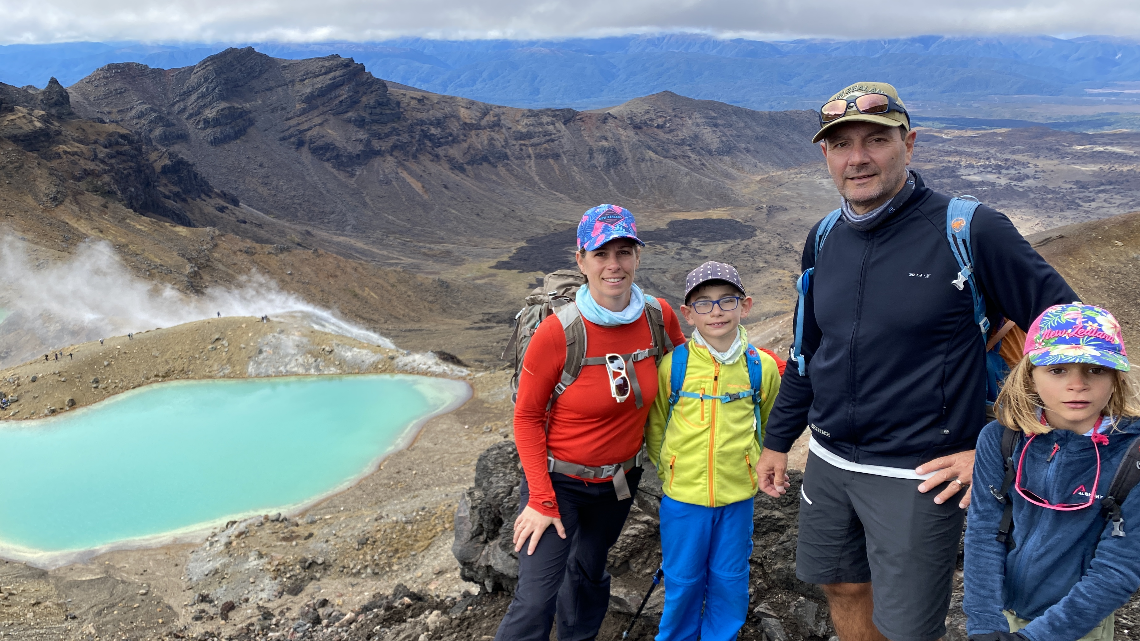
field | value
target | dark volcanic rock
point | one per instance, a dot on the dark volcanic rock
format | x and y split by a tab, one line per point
105	160
484	520
55	100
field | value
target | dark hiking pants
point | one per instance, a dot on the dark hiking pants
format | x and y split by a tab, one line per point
568	576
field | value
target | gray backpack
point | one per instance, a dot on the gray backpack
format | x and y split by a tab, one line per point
556	296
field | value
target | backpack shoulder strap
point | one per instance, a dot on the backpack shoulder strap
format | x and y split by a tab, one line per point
575	330
803	284
1126	477
656	318
756	382
824	230
677	371
1009	439
959	215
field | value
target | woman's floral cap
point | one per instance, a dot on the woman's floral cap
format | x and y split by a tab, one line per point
604	223
1076	333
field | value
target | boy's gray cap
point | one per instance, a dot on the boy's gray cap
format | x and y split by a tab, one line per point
712	270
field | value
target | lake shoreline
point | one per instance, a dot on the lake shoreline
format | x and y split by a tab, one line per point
402	508
447	398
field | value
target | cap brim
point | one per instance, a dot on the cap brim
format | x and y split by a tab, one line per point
712	280
1082	354
858	117
612	238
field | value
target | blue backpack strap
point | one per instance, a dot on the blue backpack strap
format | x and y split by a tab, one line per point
756	382
676	380
803	284
959	215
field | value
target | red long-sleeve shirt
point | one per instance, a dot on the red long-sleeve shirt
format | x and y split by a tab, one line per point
587	424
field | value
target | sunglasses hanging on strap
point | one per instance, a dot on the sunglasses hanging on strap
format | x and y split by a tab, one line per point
1126	477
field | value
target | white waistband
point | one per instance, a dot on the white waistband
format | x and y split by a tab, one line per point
878	470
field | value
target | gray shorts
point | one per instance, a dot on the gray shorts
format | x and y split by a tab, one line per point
857	527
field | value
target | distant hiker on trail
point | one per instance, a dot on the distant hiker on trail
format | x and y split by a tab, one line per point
714	394
1061	552
582	466
71	355
219	314
45	358
889	371
100	341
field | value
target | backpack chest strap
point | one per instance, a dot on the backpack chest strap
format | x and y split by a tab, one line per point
723	398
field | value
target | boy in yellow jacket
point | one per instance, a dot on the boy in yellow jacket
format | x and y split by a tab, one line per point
704	434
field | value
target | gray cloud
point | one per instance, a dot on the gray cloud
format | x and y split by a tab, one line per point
358	20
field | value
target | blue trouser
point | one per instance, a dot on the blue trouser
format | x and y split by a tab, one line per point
568	575
704	552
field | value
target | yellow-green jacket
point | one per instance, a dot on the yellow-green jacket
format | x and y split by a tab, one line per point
708	454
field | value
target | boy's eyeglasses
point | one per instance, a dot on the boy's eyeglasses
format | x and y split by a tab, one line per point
868	103
726	304
1040	502
619	380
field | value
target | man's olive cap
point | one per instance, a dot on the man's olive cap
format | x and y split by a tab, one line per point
890	119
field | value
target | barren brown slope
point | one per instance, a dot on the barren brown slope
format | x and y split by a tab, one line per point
323	142
1101	260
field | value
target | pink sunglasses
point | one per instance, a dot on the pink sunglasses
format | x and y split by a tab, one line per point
1097	439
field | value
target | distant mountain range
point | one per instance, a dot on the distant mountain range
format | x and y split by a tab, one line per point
594	73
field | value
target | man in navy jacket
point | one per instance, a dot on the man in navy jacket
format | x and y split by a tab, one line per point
895	384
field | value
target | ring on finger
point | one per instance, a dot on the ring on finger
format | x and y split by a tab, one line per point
959	482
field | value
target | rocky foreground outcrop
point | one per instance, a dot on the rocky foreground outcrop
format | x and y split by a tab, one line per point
782	606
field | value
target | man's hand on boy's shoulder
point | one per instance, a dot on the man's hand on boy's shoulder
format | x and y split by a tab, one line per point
771	466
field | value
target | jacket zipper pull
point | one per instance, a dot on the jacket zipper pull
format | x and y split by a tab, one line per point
1053	453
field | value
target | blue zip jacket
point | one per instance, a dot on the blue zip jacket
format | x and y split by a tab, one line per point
1067	572
896	366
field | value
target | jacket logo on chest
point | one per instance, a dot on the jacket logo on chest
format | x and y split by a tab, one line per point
918	275
1081	491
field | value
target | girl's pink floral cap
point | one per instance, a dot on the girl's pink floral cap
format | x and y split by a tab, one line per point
1076	333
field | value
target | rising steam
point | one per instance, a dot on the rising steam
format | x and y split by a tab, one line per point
51	304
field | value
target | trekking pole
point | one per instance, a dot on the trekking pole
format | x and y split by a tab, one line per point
656	580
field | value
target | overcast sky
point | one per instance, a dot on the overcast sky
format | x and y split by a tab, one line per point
28	21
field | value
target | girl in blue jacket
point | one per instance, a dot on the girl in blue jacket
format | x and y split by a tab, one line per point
1066	573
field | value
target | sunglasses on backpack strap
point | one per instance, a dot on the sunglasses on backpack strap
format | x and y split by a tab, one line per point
619	380
868	103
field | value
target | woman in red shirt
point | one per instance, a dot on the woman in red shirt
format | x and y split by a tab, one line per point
581	467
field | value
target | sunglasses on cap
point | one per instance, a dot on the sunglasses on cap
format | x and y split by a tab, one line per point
868	103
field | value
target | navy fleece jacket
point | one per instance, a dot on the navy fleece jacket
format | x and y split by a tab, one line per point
895	363
1066	572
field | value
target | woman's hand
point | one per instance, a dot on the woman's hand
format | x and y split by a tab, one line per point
531	524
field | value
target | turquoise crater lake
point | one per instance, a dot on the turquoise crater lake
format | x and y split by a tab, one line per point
177	457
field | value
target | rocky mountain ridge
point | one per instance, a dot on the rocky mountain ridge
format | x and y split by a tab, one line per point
323	142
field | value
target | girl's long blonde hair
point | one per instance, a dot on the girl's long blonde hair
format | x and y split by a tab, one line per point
1018	402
